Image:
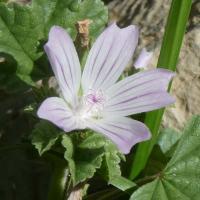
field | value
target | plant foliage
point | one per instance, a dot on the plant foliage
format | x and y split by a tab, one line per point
24	28
180	178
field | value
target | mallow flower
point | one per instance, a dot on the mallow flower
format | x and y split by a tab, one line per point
92	98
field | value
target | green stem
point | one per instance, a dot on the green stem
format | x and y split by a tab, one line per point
108	194
174	32
59	179
147	179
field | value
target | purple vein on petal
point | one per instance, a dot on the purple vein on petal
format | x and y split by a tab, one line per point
122	128
103	64
116	71
139	84
140	75
58	109
142	106
63	75
133	98
48	48
121	51
117	135
67	59
98	55
63	119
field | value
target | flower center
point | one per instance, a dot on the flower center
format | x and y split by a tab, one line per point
90	106
94	103
94	98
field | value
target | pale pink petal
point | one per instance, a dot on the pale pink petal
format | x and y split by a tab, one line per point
143	59
124	132
141	92
56	110
65	63
109	56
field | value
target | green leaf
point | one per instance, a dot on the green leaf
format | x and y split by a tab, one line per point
67	13
68	144
110	168
19	35
44	136
173	37
83	159
111	164
167	139
151	191
93	141
85	152
24	28
180	179
158	190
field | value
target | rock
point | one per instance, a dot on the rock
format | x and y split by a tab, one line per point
186	85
